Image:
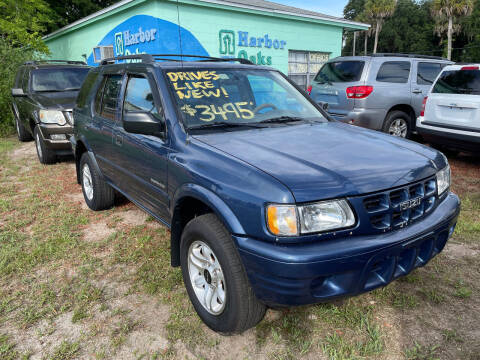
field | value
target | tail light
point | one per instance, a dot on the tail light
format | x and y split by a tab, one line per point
309	89
359	92
424	104
469	68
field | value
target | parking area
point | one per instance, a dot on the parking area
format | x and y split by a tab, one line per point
81	284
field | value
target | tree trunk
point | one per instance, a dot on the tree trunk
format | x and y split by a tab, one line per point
377	30
450	30
366	42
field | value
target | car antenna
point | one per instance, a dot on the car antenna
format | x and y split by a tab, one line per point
179	34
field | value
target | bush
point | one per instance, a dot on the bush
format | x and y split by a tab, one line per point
10	59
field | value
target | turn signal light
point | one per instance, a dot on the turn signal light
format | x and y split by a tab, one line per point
309	89
424	104
359	92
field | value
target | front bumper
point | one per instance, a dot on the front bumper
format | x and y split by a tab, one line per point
367	118
317	272
47	130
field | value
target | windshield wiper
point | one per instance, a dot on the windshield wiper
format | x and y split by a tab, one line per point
281	119
221	124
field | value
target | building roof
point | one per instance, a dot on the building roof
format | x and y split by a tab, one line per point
259	5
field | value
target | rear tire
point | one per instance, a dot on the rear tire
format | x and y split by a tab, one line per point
97	193
234	307
22	133
45	155
398	123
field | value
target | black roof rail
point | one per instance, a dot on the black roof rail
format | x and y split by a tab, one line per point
408	55
150	58
38	62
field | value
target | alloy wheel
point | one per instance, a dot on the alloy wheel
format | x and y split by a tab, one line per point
398	127
39	146
206	277
87	182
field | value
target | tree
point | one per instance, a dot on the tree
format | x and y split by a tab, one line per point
448	11
379	10
69	11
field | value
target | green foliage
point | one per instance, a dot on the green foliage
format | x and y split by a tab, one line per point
10	57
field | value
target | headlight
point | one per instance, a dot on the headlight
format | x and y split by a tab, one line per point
290	220
443	180
52	117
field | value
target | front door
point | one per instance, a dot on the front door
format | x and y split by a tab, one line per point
142	159
425	74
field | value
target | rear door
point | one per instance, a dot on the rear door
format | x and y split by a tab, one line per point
454	101
331	83
425	73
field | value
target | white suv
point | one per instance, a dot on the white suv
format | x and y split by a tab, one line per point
451	112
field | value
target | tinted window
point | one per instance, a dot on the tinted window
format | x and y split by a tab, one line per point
340	71
54	79
458	82
139	96
86	87
394	72
110	96
18	77
427	73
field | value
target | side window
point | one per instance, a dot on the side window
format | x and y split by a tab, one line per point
86	87
111	90
98	97
427	72
19	77
139	96
394	72
25	80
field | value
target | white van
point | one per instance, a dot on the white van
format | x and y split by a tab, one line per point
450	116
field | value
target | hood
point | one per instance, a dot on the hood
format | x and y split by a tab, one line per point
56	100
329	160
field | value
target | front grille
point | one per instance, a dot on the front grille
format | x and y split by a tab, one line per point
397	208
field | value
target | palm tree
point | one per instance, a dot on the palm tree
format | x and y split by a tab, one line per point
379	10
449	10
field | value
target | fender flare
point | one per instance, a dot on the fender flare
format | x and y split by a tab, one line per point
90	155
213	201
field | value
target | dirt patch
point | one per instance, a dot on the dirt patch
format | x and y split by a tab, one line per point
457	250
78	199
133	217
24	151
96	232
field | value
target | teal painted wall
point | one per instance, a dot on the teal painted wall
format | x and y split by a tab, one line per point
205	23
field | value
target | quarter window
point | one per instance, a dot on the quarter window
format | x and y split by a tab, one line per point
110	96
139	96
427	73
394	72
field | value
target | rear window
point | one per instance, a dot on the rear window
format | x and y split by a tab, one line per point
458	82
427	72
340	71
394	72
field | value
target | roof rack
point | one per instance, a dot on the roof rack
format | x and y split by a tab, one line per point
151	58
408	55
38	62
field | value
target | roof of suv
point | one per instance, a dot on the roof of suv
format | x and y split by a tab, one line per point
55	63
389	56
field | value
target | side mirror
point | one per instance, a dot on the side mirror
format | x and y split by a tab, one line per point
142	123
16	92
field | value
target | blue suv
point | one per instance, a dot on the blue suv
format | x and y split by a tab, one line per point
269	201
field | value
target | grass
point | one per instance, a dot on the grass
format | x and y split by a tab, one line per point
47	269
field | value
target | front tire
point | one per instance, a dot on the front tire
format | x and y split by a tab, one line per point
398	123
215	279
45	155
22	133
97	193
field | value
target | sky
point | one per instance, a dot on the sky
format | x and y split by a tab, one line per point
327	7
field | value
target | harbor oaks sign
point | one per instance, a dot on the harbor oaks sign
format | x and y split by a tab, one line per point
250	47
125	38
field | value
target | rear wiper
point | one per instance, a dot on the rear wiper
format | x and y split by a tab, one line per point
220	124
71	89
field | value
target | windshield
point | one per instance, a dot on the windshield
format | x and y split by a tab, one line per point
234	97
340	71
458	82
55	79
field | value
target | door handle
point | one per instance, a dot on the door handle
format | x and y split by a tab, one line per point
417	91
119	140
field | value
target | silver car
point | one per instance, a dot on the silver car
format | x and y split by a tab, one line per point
380	91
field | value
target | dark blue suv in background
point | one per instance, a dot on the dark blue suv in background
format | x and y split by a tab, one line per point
269	201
